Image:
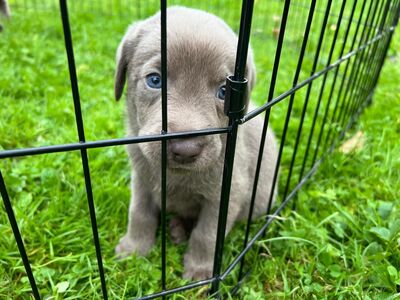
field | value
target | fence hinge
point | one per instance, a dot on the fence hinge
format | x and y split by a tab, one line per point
235	97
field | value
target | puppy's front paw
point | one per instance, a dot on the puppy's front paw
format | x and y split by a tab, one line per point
127	246
197	267
197	273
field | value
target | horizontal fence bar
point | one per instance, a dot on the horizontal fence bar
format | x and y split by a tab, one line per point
261	231
338	103
289	92
271	217
357	105
110	142
178	289
321	90
335	76
298	69
159	137
302	182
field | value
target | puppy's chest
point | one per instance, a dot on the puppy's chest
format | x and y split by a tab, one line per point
187	194
184	203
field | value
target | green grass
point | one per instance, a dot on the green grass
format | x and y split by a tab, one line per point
342	242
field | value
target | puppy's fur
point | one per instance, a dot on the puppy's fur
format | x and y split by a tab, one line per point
201	53
5	10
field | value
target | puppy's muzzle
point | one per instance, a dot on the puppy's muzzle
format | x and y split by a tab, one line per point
184	151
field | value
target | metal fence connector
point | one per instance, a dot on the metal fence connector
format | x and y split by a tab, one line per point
235	99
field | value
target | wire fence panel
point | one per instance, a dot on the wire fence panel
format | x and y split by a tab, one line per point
327	57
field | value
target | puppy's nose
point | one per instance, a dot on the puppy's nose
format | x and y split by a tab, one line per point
185	150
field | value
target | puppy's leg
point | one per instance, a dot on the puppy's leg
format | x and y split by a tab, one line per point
142	225
199	258
180	229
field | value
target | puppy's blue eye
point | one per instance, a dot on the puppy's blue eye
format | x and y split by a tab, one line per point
153	81
221	92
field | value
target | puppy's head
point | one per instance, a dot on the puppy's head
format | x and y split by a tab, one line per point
201	54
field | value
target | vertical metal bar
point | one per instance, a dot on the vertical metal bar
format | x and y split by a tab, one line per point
353	43
244	38
303	112
241	59
346	113
18	238
295	80
395	19
356	68
364	37
334	81
362	78
375	61
81	134
396	13
371	54
270	96
321	91
164	76
274	75
381	56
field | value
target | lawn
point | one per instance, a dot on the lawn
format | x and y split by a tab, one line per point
341	242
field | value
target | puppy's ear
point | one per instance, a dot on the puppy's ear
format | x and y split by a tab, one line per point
5	8
125	52
250	75
251	71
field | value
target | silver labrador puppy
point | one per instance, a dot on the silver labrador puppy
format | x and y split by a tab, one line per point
201	53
